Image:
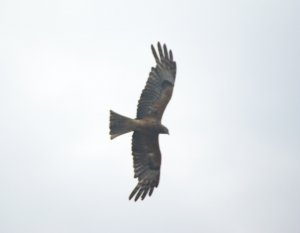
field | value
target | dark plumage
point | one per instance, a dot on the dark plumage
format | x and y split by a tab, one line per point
147	125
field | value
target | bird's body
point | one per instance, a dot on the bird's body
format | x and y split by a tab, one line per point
147	125
141	125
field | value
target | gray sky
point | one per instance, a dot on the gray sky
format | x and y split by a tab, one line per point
231	162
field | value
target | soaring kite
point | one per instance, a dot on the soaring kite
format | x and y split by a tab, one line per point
147	125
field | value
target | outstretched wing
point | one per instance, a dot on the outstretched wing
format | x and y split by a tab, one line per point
159	87
146	163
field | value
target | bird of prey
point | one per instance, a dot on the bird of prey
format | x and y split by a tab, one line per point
147	125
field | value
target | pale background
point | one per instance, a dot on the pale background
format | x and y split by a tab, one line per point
231	162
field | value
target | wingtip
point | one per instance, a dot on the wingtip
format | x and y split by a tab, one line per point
171	55
158	45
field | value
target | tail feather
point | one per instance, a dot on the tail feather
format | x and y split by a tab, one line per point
119	124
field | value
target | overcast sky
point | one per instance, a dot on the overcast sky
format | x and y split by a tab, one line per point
231	161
